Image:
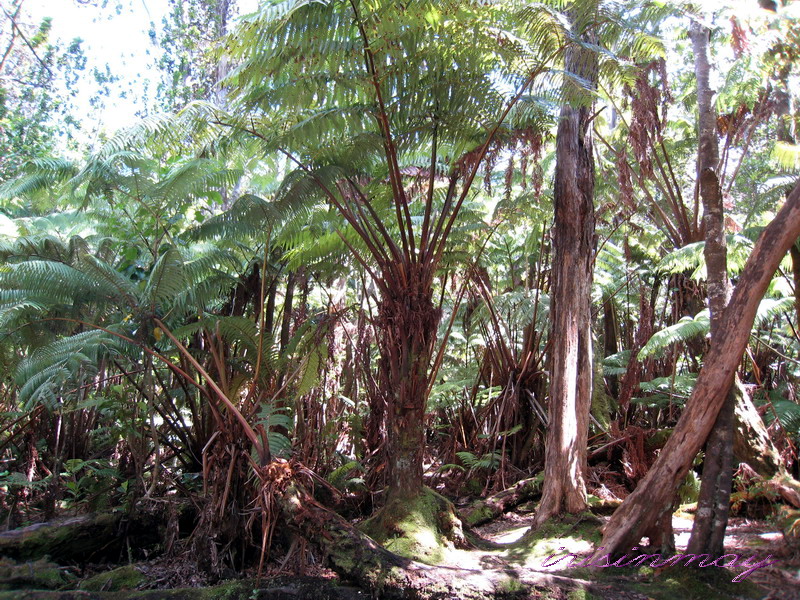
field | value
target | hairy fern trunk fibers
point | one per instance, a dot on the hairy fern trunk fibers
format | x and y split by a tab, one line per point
708	531
406	336
573	259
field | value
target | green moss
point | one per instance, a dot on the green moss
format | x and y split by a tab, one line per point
510	586
558	536
534	484
789	522
697	584
234	590
479	516
581	594
599	506
602	403
63	540
122	578
39	575
420	528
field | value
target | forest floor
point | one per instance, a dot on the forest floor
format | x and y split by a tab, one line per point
744	537
502	554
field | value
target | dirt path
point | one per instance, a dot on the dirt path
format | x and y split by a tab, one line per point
780	581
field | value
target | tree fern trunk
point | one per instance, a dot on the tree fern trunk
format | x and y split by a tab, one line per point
406	335
286	321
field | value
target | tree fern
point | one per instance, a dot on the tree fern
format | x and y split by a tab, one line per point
690	257
690	327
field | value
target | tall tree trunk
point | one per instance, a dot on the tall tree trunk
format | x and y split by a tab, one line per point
653	496
708	531
573	261
223	12
269	317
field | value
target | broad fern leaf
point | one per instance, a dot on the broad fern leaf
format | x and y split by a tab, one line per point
685	329
166	280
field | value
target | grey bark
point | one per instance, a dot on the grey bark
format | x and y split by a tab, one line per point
708	530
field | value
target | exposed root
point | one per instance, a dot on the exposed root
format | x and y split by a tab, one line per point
358	558
420	528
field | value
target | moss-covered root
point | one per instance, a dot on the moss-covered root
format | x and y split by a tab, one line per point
577	533
492	507
420	528
695	584
357	557
127	577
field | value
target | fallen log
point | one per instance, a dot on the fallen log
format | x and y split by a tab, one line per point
483	511
33	575
63	540
98	537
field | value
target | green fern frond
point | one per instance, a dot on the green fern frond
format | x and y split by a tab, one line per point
690	257
616	364
663	391
770	308
787	156
43	374
167	279
38	175
249	217
490	460
787	414
271	416
685	329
